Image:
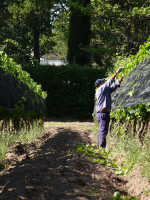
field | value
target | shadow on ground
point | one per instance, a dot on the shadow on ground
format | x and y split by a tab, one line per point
56	172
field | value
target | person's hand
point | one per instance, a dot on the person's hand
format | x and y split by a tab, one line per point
119	70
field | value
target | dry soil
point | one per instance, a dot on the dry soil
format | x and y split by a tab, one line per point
49	168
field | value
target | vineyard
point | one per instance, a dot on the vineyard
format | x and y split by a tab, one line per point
22	100
131	103
22	106
48	125
129	126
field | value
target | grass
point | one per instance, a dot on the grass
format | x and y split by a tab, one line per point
145	158
7	139
126	147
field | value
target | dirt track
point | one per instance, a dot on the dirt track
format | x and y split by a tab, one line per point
53	171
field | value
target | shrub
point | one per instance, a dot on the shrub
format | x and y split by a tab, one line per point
70	89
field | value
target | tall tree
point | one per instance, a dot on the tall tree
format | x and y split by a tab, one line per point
60	20
79	33
32	21
4	21
118	27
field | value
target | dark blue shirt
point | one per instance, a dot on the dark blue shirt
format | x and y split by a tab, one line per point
103	94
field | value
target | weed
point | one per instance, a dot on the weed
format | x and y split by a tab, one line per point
104	157
147	191
118	196
126	148
8	139
94	192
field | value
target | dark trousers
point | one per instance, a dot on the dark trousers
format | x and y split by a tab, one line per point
103	120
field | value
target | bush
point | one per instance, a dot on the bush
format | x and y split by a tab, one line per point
70	89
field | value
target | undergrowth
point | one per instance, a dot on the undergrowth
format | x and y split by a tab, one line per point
126	147
105	157
7	139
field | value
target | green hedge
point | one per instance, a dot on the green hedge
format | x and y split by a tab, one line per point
70	89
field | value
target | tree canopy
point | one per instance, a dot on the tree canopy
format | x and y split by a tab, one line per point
30	29
84	31
118	27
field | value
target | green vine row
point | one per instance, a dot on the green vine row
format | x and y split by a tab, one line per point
139	111
12	67
18	118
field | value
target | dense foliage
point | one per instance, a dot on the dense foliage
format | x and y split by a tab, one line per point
140	112
96	28
29	28
17	117
60	30
70	89
12	67
118	27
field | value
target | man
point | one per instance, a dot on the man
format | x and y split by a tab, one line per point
103	105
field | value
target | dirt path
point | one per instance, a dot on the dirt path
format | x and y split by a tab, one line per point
53	171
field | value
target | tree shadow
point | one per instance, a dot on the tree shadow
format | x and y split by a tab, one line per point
57	172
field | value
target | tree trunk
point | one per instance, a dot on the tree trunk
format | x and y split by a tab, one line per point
127	125
36	46
128	33
141	131
135	38
79	36
134	123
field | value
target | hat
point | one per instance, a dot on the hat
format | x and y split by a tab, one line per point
98	81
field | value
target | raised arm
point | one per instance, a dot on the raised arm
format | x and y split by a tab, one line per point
104	86
121	78
118	71
116	84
